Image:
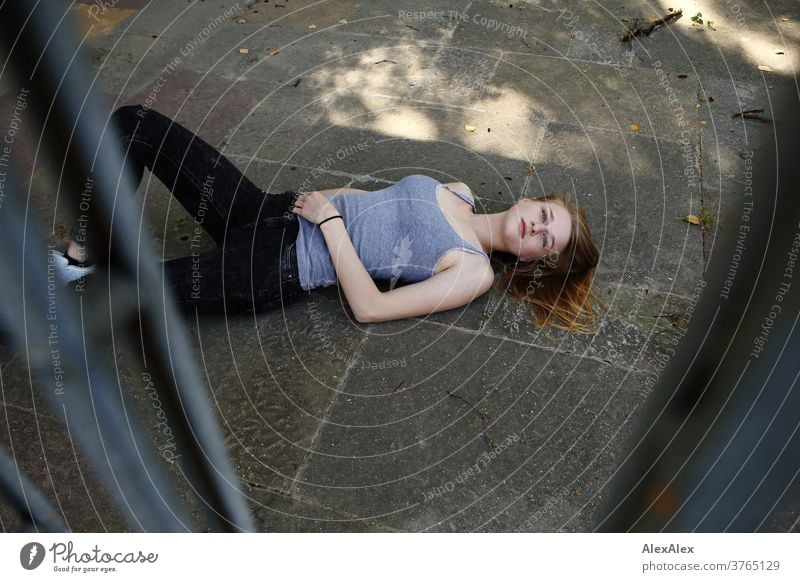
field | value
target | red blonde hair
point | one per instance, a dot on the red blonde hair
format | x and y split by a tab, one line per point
559	286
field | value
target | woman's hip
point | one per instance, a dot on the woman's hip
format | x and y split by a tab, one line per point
255	268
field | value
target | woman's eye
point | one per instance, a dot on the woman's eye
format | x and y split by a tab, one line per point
544	215
544	240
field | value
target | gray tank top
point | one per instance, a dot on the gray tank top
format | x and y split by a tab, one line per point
399	233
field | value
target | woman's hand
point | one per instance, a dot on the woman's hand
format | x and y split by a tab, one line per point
314	207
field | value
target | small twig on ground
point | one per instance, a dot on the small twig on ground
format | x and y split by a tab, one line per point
644	26
412	28
676	319
752	114
385	61
482	415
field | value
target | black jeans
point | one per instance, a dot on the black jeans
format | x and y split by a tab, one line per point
254	265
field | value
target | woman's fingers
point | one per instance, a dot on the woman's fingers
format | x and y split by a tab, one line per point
309	204
297	205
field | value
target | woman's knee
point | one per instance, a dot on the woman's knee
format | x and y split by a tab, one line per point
132	119
127	115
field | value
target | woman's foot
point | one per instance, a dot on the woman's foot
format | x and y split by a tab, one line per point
68	267
76	254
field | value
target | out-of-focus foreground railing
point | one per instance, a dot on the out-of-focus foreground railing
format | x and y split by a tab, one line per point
43	51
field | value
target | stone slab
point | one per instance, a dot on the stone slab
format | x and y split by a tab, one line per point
183	21
48	456
93	22
273	377
596	96
457	399
276	512
522	27
128	62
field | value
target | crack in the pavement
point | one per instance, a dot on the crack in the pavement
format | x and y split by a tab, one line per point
261	487
342	381
482	415
701	182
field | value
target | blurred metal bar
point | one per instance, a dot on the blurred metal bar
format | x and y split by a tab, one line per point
44	318
35	510
720	439
74	114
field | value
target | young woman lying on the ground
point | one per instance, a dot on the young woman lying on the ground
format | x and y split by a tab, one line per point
272	247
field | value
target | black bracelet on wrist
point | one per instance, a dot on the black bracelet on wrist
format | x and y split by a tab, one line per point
330	218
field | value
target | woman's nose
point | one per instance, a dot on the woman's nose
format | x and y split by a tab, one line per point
536	228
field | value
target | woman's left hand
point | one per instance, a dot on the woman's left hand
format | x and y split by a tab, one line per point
314	207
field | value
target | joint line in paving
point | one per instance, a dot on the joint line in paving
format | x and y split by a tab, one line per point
320	426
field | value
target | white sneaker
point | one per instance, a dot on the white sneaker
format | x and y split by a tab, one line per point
66	272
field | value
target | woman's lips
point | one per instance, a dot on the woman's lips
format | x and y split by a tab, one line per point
522	227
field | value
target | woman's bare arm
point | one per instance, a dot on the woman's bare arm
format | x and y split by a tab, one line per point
448	289
460	186
358	286
453	287
353	278
337	191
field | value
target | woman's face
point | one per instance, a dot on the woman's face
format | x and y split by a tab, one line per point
537	228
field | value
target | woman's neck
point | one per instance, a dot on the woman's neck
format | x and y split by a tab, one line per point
489	230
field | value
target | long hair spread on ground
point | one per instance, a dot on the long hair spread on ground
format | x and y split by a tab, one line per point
559	286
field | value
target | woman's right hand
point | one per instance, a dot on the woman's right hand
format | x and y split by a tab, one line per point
314	207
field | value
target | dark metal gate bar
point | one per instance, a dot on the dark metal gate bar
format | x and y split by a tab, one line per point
720	440
83	394
70	109
36	511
